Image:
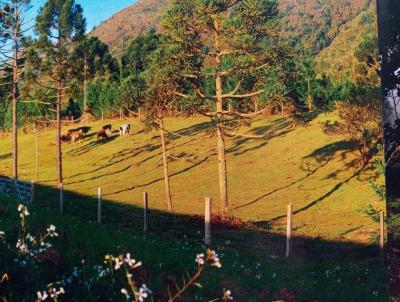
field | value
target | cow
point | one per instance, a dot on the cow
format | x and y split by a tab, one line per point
76	136
101	134
66	137
107	129
85	129
124	130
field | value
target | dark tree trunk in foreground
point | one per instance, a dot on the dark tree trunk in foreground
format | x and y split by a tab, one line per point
15	93
389	42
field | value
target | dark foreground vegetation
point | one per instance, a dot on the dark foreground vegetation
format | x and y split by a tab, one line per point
253	262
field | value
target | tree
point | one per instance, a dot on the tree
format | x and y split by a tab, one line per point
96	60
159	95
213	44
60	25
13	15
134	61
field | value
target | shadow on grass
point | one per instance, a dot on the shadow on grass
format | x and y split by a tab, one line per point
311	257
277	128
5	156
243	235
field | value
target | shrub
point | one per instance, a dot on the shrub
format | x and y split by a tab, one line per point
360	122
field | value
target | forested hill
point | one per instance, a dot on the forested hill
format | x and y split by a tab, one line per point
130	22
338	59
314	23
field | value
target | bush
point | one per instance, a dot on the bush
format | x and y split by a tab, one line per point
360	122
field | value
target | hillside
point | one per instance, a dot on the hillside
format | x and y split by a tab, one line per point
318	173
130	22
337	59
315	23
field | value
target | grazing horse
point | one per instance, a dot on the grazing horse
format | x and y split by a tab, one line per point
107	129
125	130
76	136
101	134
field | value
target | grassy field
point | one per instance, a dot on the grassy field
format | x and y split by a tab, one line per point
318	173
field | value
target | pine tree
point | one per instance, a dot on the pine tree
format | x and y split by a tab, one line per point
60	25
213	44
13	19
96	60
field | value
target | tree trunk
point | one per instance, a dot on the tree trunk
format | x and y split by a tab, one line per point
223	179
85	105
255	102
15	93
58	138
165	163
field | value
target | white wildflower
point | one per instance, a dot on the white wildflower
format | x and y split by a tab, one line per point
118	263
131	262
200	259
227	295
30	238
51	230
214	257
142	294
23	210
54	293
42	296
125	293
22	246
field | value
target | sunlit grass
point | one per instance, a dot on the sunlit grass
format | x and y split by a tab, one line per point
316	172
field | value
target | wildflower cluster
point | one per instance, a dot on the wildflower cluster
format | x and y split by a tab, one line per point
127	263
52	293
211	258
27	244
115	270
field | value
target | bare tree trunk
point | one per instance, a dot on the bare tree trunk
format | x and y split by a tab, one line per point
59	149
85	105
165	163
15	93
37	153
255	102
223	179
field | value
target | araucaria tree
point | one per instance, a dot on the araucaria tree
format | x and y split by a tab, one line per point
60	25
160	94
96	60
215	45
13	23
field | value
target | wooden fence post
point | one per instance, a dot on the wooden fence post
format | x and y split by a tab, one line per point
289	230
32	191
102	115
145	210
382	235
140	114
37	154
207	221
99	205
61	191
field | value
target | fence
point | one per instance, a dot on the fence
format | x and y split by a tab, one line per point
22	190
208	222
25	192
